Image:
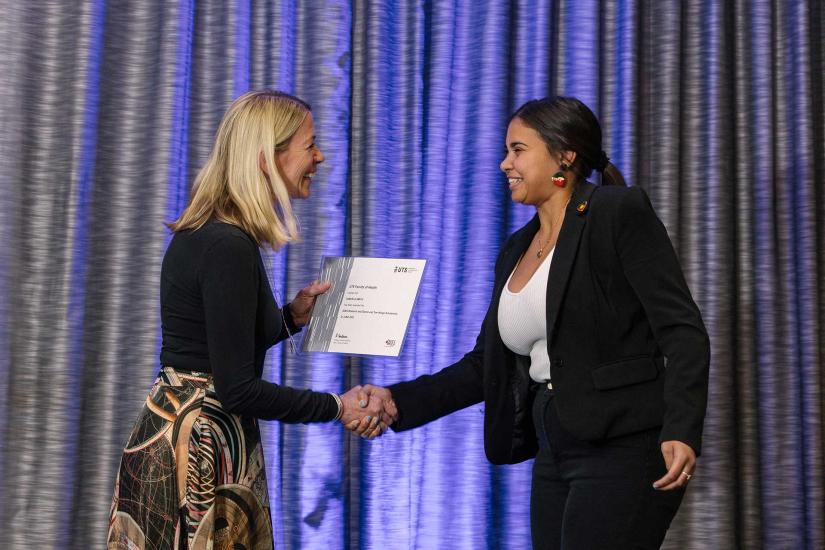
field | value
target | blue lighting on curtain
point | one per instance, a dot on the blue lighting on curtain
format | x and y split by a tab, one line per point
619	136
316	67
83	178
272	433
528	79
178	186
286	46
801	285
433	189
241	75
580	77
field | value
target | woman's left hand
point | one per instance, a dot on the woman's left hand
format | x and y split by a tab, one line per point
301	306
680	461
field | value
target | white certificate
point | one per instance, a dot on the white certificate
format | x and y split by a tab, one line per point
367	310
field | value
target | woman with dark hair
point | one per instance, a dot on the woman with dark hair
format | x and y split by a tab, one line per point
592	357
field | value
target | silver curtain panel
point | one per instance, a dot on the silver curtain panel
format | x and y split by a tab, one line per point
108	108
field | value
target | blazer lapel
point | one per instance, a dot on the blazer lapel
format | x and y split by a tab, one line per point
514	251
511	254
564	255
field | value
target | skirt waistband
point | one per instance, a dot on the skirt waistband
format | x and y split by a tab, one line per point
175	377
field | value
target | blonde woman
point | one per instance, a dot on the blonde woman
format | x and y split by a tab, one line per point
192	474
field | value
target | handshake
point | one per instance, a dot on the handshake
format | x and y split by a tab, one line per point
368	410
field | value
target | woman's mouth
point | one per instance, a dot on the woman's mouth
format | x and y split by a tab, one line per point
513	182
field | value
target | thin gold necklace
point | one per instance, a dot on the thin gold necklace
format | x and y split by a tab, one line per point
541	248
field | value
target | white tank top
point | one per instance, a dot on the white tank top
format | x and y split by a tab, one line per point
522	320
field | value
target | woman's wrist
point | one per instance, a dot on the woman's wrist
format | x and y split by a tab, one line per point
340	406
289	319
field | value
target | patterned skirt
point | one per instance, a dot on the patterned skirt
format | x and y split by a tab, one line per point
192	475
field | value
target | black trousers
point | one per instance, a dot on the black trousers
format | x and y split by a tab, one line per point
596	496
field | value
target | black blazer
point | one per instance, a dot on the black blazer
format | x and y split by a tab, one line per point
628	349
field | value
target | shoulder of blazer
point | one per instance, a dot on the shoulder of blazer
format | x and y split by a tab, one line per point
614	205
612	197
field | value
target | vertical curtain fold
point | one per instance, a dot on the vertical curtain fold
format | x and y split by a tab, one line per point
127	205
314	513
753	119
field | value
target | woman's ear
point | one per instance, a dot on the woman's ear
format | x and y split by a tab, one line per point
262	163
568	157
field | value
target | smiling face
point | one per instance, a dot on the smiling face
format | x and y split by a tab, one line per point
298	160
529	165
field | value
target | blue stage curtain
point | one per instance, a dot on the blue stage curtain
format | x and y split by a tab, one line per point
109	108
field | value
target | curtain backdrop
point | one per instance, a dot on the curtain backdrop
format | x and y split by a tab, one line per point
109	107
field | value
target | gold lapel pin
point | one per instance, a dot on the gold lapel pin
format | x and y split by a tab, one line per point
581	207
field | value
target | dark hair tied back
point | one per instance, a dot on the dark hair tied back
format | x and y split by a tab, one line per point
604	160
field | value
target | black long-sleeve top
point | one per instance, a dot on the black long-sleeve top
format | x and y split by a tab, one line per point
219	316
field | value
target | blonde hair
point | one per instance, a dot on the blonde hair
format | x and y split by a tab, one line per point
231	185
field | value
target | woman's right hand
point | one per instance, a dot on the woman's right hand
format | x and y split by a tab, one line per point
368	410
301	306
369	395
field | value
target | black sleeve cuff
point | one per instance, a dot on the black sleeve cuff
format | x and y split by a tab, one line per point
290	322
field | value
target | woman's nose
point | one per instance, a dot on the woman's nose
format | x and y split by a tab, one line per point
505	163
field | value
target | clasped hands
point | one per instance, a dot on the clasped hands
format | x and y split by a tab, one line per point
368	410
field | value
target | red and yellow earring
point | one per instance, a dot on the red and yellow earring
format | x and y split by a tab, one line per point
558	178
